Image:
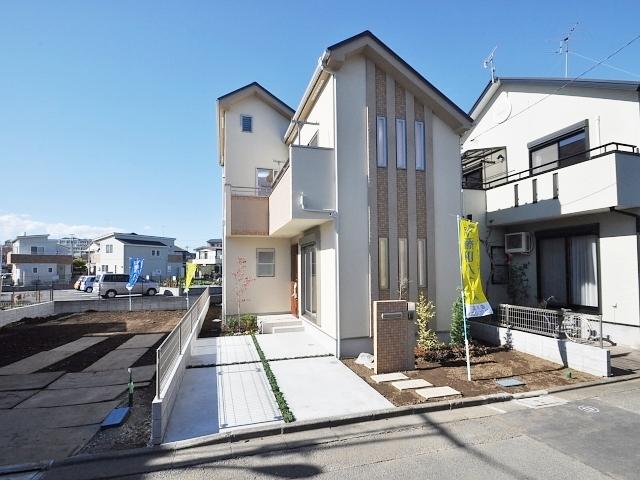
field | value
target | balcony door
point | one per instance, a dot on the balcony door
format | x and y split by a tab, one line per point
309	282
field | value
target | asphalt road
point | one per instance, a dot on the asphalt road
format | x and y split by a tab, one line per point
590	433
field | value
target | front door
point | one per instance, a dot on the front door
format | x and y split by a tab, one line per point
309	283
294	280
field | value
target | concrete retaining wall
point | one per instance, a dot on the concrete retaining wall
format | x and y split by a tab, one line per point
584	358
29	311
121	304
162	406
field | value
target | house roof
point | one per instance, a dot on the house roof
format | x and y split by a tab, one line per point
367	43
491	88
135	241
254	88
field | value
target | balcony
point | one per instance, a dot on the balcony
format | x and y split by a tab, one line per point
589	182
303	194
249	212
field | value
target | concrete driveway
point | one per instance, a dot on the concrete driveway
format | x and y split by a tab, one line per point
226	387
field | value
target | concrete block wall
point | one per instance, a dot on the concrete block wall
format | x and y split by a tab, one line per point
13	315
121	304
584	358
393	338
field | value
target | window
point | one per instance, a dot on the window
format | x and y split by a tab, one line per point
568	269
383	263
422	263
34	269
50	270
534	190
419	133
381	141
246	122
403	267
555	185
108	249
264	180
562	151
401	143
266	262
34	250
153	253
105	268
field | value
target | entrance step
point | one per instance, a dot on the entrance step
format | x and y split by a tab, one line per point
267	323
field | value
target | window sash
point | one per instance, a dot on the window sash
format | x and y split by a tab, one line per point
419	137
381	141
422	263
265	262
246	123
401	143
383	263
403	264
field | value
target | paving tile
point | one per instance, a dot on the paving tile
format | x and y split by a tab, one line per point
117	359
27	381
18	419
290	345
44	359
142	341
103	377
73	396
11	399
411	384
510	382
389	377
223	350
437	392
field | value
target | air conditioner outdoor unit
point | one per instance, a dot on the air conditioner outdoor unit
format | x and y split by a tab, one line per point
517	242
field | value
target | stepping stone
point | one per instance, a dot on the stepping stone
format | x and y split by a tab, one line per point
117	359
73	396
103	378
411	384
437	392
11	399
142	341
510	382
49	357
28	381
389	377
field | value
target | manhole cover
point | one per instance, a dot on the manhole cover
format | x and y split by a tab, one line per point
588	409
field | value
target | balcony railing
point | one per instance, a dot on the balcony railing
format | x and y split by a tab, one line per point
612	147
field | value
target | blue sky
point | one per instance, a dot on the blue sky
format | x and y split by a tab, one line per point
116	100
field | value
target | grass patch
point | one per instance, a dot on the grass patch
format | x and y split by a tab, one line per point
287	414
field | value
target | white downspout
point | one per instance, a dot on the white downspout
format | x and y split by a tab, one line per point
337	218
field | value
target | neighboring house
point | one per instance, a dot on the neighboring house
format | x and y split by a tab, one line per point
555	163
111	253
77	246
209	258
349	199
39	260
4	250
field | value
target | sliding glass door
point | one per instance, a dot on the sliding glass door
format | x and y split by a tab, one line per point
309	281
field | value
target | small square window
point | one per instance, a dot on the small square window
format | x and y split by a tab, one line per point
247	123
266	262
35	270
50	270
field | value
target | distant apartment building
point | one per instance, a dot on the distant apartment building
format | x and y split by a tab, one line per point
209	258
111	253
77	246
39	260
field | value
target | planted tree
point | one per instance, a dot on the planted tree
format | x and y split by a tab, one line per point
425	312
457	323
242	282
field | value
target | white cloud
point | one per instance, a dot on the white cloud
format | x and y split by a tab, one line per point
12	224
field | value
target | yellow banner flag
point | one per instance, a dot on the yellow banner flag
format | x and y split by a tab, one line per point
475	302
191	272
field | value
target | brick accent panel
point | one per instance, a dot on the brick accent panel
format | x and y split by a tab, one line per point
393	338
401	102
383	200
381	92
403	207
419	111
421	204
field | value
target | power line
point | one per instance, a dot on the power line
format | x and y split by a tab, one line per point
605	64
564	85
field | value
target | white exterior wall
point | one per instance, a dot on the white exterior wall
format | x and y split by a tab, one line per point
23	273
615	118
266	294
247	151
321	113
23	246
353	224
447	203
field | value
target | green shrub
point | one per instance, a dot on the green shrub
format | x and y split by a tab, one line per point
457	323
425	312
249	323
245	324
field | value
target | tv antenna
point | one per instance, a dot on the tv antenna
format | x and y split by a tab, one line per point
489	63
564	48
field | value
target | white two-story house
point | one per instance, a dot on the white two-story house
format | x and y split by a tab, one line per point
39	260
209	259
554	165
350	198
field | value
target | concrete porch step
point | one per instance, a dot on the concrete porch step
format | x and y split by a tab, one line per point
267	323
288	328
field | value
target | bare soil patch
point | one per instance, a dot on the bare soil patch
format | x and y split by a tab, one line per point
538	374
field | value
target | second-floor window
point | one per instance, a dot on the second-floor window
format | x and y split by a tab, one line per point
264	180
108	249
246	122
419	131
381	141
563	150
401	143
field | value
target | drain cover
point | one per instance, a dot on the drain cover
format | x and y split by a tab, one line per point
588	409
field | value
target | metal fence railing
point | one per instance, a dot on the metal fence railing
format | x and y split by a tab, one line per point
23	296
551	323
174	345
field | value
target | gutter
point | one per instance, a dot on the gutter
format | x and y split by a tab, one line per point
637	217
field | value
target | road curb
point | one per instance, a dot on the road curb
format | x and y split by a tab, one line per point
160	451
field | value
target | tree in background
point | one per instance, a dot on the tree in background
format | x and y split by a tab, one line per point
79	264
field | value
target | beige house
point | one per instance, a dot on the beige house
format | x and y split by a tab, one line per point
349	199
551	172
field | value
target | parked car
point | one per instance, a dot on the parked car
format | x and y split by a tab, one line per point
87	284
79	282
109	285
